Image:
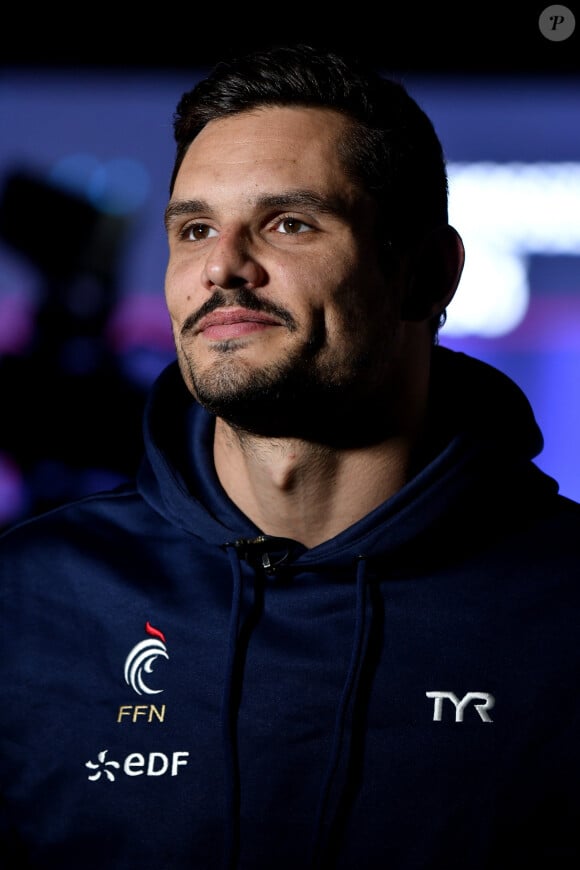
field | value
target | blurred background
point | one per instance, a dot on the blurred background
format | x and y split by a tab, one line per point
86	150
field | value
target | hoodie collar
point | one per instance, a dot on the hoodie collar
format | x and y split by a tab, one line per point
483	420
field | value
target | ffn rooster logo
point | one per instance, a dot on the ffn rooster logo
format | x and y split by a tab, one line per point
141	659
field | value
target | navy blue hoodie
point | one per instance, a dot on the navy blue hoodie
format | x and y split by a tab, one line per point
180	691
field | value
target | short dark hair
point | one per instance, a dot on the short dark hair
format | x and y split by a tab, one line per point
392	149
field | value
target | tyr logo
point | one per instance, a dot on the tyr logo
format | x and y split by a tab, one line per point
487	702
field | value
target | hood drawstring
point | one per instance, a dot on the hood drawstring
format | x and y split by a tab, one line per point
336	776
337	772
268	554
229	713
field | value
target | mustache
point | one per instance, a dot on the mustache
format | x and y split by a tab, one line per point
242	298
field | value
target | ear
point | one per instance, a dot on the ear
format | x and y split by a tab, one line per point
434	270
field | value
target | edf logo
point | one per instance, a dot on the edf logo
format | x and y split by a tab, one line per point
486	703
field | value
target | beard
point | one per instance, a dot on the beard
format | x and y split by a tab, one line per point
287	399
332	402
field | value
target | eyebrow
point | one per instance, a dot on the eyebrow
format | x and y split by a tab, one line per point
179	207
286	200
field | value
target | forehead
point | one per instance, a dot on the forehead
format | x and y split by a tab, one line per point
295	143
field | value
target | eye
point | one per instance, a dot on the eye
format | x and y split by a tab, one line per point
197	232
292	226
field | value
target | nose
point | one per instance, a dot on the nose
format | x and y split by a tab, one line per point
231	263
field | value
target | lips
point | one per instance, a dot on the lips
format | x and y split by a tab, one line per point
233	322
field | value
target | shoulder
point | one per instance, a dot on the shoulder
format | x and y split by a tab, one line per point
70	523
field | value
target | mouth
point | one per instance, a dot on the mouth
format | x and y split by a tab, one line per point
227	323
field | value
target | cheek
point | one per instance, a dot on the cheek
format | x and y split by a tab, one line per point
365	309
358	293
178	290
170	297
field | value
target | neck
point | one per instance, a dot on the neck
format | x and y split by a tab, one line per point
311	488
303	491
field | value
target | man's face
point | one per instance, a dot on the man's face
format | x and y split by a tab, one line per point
279	307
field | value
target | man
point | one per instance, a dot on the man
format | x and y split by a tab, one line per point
334	623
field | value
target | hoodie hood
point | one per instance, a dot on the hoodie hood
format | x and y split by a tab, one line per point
484	440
